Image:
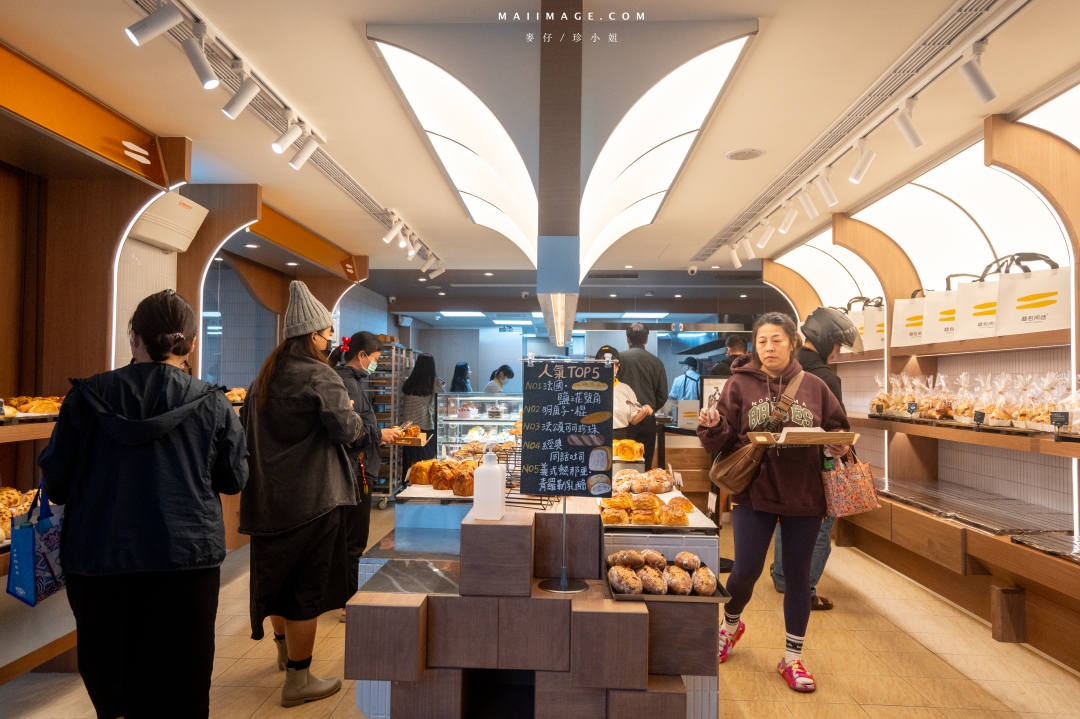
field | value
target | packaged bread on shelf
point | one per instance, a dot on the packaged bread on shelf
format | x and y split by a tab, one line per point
673	517
704	582
678	581
644	516
652	581
687	561
682	503
626	558
614	516
623	580
881	399
654	559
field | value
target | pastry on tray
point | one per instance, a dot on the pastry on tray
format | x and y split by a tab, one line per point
682	503
646	500
654	559
644	516
678	581
626	558
419	473
686	560
652	581
624	581
463	482
704	582
618	500
673	517
614	516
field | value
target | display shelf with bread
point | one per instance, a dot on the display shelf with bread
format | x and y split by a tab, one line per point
649	576
384	389
650	501
464	418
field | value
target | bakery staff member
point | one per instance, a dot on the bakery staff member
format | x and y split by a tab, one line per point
625	408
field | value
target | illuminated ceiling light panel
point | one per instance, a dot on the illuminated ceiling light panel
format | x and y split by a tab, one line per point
644	315
1059	116
461	314
938	237
674	108
1013	215
486	214
450	111
864	276
828	277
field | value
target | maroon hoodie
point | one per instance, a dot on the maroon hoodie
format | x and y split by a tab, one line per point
789	479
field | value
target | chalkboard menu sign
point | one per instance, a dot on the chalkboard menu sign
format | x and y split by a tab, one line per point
566	428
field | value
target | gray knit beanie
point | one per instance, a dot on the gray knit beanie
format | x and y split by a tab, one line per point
305	313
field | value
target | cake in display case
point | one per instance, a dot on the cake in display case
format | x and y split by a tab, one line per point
474	417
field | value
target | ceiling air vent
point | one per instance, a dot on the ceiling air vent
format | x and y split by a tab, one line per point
612	276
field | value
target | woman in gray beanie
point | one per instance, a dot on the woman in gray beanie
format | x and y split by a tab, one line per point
298	420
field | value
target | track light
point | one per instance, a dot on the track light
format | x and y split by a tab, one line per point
164	18
398	224
310	146
976	78
287	138
826	190
243	97
436	272
866	156
196	54
734	257
766	234
748	251
414	247
808	203
789	218
403	239
907	126
429	262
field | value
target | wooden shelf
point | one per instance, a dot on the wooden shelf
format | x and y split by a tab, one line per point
1047	445
1032	340
26	431
1022	443
867	356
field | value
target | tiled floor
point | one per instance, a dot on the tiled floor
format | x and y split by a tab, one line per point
890	650
246	683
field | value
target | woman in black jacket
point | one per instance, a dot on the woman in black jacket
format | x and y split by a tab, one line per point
138	458
361	353
298	420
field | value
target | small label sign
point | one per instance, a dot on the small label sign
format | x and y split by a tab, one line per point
912	407
980	417
1059	419
879	409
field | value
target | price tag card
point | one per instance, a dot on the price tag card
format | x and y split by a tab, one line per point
1059	419
980	417
912	408
566	423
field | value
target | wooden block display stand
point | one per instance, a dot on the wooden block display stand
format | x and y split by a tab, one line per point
582	656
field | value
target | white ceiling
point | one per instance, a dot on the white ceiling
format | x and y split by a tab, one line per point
809	62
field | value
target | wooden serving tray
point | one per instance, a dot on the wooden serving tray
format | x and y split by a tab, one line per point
420	441
802	438
720	596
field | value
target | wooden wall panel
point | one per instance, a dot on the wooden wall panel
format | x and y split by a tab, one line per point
269	287
288	233
12	252
176	156
794	286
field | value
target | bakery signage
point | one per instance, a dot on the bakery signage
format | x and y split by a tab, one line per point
566	428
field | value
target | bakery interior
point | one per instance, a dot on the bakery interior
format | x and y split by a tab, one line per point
411	162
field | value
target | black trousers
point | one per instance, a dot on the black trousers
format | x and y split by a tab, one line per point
357	524
146	641
644	432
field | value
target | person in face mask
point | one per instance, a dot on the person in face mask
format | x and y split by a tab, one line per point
360	354
299	421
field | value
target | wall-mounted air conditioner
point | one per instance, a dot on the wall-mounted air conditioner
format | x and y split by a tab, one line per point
169	223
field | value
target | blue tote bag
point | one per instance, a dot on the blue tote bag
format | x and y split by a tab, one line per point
34	571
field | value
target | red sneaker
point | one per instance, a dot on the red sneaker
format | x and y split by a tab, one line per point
796	675
728	641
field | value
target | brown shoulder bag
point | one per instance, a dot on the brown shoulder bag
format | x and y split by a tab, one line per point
733	471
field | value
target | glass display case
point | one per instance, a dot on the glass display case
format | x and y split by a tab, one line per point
473	416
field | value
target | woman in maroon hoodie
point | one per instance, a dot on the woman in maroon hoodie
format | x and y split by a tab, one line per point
787	487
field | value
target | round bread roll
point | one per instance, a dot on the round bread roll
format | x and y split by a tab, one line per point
682	503
704	582
624	581
624	474
686	560
652	581
626	558
614	516
638	484
660	486
658	473
678	581
654	559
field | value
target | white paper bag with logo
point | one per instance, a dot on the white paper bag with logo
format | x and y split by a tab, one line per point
976	309
856	317
907	322
874	324
1036	301
939	316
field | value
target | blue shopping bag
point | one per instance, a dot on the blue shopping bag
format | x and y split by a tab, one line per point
34	571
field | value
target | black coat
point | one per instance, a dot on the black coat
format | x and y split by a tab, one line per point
369	441
139	456
813	363
723	367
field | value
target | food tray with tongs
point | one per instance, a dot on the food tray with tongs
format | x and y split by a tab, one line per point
800	436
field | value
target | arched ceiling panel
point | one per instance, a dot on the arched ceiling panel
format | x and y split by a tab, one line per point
830	279
864	276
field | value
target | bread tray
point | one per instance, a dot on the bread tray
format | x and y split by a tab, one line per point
797	438
420	441
720	596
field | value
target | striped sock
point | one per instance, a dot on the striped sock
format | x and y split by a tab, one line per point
731	623
793	648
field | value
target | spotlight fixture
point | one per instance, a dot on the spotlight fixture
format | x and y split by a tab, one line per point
789	218
976	78
414	246
807	203
826	190
866	156
195	49
748	251
766	234
437	271
243	97
396	228
164	18
429	262
403	239
907	126
306	150
290	135
734	257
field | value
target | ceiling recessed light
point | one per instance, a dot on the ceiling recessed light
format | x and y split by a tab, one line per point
629	267
716	267
743	296
747	153
252	247
678	295
219	259
488	274
442	293
292	264
422	279
612	295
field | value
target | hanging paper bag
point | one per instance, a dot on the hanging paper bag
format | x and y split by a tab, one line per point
34	571
907	322
976	309
939	323
874	324
1037	301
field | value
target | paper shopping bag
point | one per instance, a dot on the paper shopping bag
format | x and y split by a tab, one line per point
939	316
1036	301
976	309
907	322
874	332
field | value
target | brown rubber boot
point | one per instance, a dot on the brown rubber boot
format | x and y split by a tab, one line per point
302	686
